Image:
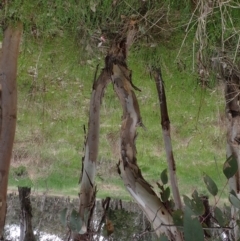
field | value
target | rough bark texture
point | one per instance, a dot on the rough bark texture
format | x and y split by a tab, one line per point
26	231
88	188
138	187
116	70
8	75
167	138
231	75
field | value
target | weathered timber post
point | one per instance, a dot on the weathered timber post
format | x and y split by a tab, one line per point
8	109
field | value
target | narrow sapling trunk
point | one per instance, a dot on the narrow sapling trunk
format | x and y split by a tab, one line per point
132	177
167	138
8	109
89	165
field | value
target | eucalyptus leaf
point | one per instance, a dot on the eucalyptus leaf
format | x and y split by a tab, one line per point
218	214
230	167
234	201
63	218
192	228
75	221
165	194
163	238
197	204
178	217
187	201
227	212
164	177
211	185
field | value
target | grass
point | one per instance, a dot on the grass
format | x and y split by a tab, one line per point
53	108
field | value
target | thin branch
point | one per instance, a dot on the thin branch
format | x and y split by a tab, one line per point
167	138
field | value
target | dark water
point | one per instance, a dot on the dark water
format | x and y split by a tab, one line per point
127	219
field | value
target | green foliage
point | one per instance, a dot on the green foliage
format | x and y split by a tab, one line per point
230	167
163	238
55	80
165	194
20	171
211	185
164	177
192	228
165	191
218	214
63	216
178	218
75	222
195	204
234	199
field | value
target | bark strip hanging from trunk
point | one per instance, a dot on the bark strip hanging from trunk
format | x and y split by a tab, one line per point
88	188
8	75
165	122
138	187
26	231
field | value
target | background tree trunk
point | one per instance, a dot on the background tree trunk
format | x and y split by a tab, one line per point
26	231
8	75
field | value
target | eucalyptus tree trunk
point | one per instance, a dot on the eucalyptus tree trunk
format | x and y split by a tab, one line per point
88	189
167	138
138	187
116	70
231	75
8	109
87	193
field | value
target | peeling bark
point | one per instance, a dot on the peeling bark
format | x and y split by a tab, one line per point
116	70
167	138
88	189
138	187
8	75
